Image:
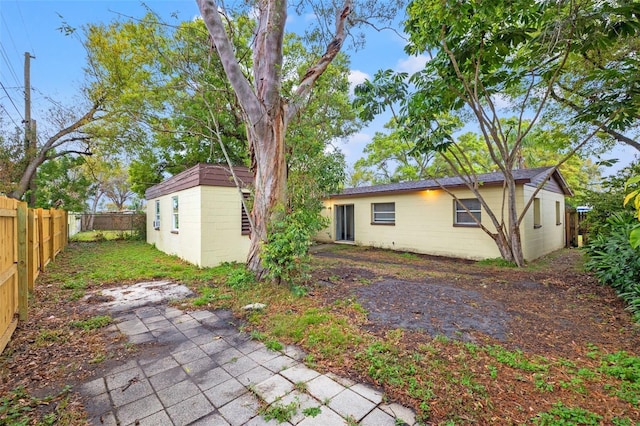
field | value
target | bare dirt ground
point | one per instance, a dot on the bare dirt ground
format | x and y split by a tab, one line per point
550	311
547	310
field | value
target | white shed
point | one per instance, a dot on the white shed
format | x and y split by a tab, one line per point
198	216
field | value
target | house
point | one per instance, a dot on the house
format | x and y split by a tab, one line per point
422	217
198	216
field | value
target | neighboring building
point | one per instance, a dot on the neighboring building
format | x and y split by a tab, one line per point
421	217
197	215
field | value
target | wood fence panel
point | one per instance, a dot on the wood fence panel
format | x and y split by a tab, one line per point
23	260
33	248
8	269
28	241
45	237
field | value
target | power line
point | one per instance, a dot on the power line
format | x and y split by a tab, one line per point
11	99
13	43
9	115
25	26
5	57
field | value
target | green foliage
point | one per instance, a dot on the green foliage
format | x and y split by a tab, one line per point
18	408
240	278
614	261
93	323
61	183
280	413
515	359
286	253
311	411
207	295
560	414
607	200
273	345
497	261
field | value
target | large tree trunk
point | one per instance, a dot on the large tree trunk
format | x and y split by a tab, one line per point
270	181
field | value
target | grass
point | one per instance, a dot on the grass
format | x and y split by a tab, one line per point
93	323
88	236
453	381
18	408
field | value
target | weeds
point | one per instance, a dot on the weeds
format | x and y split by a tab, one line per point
18	408
563	415
93	322
280	413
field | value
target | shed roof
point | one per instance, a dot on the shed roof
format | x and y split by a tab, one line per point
521	176
201	175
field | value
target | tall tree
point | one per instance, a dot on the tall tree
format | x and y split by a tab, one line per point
61	183
494	64
600	84
266	112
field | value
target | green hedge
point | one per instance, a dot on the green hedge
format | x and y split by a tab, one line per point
615	262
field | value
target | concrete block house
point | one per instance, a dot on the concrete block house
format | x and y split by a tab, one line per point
421	217
197	215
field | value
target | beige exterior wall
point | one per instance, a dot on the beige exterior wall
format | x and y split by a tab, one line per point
550	235
209	226
424	223
222	239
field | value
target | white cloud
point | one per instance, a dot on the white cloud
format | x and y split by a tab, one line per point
352	147
412	64
356	77
501	101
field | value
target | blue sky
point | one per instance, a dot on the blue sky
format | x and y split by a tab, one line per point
56	72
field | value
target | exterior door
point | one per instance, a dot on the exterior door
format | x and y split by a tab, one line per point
345	226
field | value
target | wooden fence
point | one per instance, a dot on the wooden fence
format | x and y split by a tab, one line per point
29	240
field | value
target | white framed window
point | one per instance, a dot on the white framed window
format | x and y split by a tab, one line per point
465	216
156	222
175	222
558	214
383	213
537	217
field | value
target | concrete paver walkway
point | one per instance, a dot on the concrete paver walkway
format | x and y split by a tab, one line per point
203	371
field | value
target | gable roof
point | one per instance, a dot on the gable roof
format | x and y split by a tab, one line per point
530	177
200	175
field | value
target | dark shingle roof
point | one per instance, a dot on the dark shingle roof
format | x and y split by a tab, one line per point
522	176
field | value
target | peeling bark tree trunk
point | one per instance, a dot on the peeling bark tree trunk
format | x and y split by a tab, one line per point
266	113
270	180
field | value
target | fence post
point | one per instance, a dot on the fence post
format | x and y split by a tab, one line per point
43	261
23	261
52	235
31	248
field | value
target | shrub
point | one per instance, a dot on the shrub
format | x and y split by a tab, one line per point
614	261
286	253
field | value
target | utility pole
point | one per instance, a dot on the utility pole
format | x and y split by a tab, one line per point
30	145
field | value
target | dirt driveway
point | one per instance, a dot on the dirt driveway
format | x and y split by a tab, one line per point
550	308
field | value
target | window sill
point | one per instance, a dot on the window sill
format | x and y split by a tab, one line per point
537	226
384	223
466	225
174	231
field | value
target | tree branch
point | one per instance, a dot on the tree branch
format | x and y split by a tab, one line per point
246	96
315	71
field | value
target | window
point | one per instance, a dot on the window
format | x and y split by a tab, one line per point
245	225
156	222
383	213
537	221
175	224
464	217
558	216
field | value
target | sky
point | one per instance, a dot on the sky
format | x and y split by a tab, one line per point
57	70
